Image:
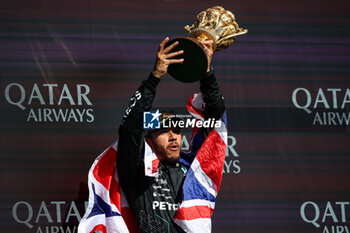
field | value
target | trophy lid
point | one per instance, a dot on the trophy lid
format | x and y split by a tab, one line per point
195	62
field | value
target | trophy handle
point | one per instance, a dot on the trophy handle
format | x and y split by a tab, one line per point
237	34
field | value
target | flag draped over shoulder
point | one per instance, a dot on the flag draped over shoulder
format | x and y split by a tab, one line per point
108	210
203	178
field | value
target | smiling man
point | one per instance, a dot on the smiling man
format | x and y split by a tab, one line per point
155	200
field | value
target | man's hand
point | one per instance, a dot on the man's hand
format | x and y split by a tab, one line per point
164	58
208	44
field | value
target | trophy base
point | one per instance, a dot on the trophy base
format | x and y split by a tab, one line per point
195	62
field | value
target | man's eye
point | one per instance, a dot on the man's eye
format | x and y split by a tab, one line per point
176	131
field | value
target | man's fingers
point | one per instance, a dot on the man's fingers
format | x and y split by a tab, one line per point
170	47
173	61
174	54
161	46
208	42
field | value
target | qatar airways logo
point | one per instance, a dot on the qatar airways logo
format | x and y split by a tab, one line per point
49	216
51	102
329	217
330	106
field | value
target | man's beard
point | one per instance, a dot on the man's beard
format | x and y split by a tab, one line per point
171	160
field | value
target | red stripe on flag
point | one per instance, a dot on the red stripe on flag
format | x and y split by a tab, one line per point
114	194
129	220
103	173
195	212
192	109
103	170
155	164
99	227
211	156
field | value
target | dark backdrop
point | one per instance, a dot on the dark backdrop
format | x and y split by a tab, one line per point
68	69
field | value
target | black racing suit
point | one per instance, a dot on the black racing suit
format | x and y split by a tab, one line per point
154	201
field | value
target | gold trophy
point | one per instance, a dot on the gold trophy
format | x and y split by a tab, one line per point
216	24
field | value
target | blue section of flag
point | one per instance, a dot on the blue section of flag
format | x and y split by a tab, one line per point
197	141
101	207
224	118
193	189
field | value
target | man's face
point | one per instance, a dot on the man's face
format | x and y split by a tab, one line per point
166	144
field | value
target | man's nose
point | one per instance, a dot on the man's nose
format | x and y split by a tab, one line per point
172	136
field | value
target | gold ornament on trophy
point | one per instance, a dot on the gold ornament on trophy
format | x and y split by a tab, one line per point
216	24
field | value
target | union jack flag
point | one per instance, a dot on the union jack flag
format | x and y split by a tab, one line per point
108	210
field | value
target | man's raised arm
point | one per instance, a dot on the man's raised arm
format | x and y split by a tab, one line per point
212	97
131	133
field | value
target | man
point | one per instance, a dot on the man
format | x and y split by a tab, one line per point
154	200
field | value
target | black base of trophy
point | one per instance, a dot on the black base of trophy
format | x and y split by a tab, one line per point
195	60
